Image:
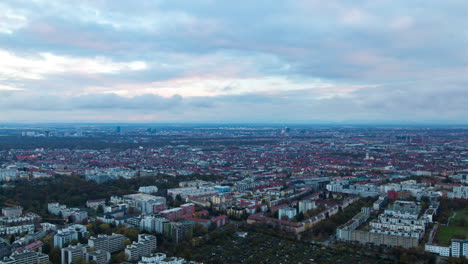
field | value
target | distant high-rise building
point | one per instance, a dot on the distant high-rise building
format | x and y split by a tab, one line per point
118	129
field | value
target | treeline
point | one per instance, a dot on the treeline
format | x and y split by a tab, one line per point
123	142
448	206
18	142
74	191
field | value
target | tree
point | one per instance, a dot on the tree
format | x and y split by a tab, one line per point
199	230
48	244
300	217
55	255
118	258
130	232
103	228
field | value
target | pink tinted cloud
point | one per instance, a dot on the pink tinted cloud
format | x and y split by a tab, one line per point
364	58
49	33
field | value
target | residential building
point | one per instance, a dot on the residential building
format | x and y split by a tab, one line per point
26	257
8	174
440	250
459	192
161	258
290	212
459	248
306	205
363	190
94	204
66	235
75	214
222	189
153	224
399	225
181	231
12	212
146	203
146	245
112	243
98	256
219	221
191	191
380	203
148	189
71	254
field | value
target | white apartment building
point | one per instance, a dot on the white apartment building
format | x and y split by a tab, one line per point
459	248
12	212
71	254
290	212
148	189
8	174
98	256
440	250
161	258
10	230
76	214
191	191
112	243
306	205
66	235
459	192
400	218
142	201
146	245
363	190
380	203
26	257
153	224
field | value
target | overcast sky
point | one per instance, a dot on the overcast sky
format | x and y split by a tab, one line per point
234	61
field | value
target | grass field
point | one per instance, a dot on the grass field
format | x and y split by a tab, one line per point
458	228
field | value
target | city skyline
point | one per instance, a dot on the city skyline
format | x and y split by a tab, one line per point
371	62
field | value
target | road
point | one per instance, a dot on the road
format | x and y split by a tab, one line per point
432	234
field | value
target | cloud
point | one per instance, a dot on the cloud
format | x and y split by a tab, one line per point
210	60
11	21
37	67
9	88
386	103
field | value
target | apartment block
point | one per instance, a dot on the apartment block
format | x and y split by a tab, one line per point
98	256
146	245
71	254
112	243
26	257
